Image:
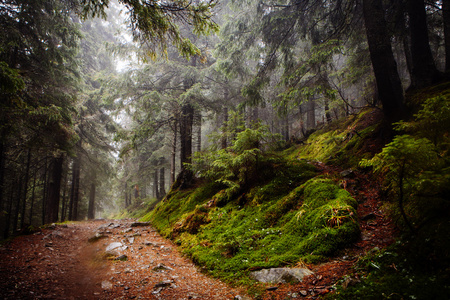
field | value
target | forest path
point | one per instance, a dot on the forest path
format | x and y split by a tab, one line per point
60	263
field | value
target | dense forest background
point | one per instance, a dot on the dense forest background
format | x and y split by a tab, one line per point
105	103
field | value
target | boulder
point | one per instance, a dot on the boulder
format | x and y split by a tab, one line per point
115	248
281	275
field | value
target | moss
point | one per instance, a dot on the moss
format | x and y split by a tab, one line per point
237	239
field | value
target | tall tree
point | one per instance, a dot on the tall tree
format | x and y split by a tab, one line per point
424	71
390	90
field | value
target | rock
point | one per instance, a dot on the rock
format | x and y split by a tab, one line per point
281	275
106	285
147	243
161	285
161	267
303	293
131	240
115	248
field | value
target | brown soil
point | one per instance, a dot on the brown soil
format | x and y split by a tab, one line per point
60	263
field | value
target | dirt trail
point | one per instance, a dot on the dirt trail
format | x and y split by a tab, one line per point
59	263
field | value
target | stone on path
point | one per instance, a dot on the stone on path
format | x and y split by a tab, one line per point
281	275
106	285
115	248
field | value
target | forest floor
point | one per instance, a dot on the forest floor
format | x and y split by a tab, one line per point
59	263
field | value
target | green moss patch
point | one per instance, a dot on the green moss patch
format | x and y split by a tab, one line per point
345	142
282	222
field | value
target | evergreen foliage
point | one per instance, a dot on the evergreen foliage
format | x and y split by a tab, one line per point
416	168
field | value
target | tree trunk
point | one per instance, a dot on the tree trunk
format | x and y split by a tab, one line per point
44	191
126	195
327	111
311	115
91	209
8	214
162	182
64	200
25	190
54	191
187	119
446	17
199	131
30	217
424	70
74	192
224	140
2	172
18	198
155	185
389	86
174	153
136	191
186	177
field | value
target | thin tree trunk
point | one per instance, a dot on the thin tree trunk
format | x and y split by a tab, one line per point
25	192
76	191
327	111
162	182
186	176
311	115
44	191
18	201
54	192
155	185
30	217
8	214
389	86
126	194
2	173
136	191
64	200
187	120
446	17
424	70
91	209
72	190
199	132
224	140
174	154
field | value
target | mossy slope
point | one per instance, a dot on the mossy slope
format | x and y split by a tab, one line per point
284	221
